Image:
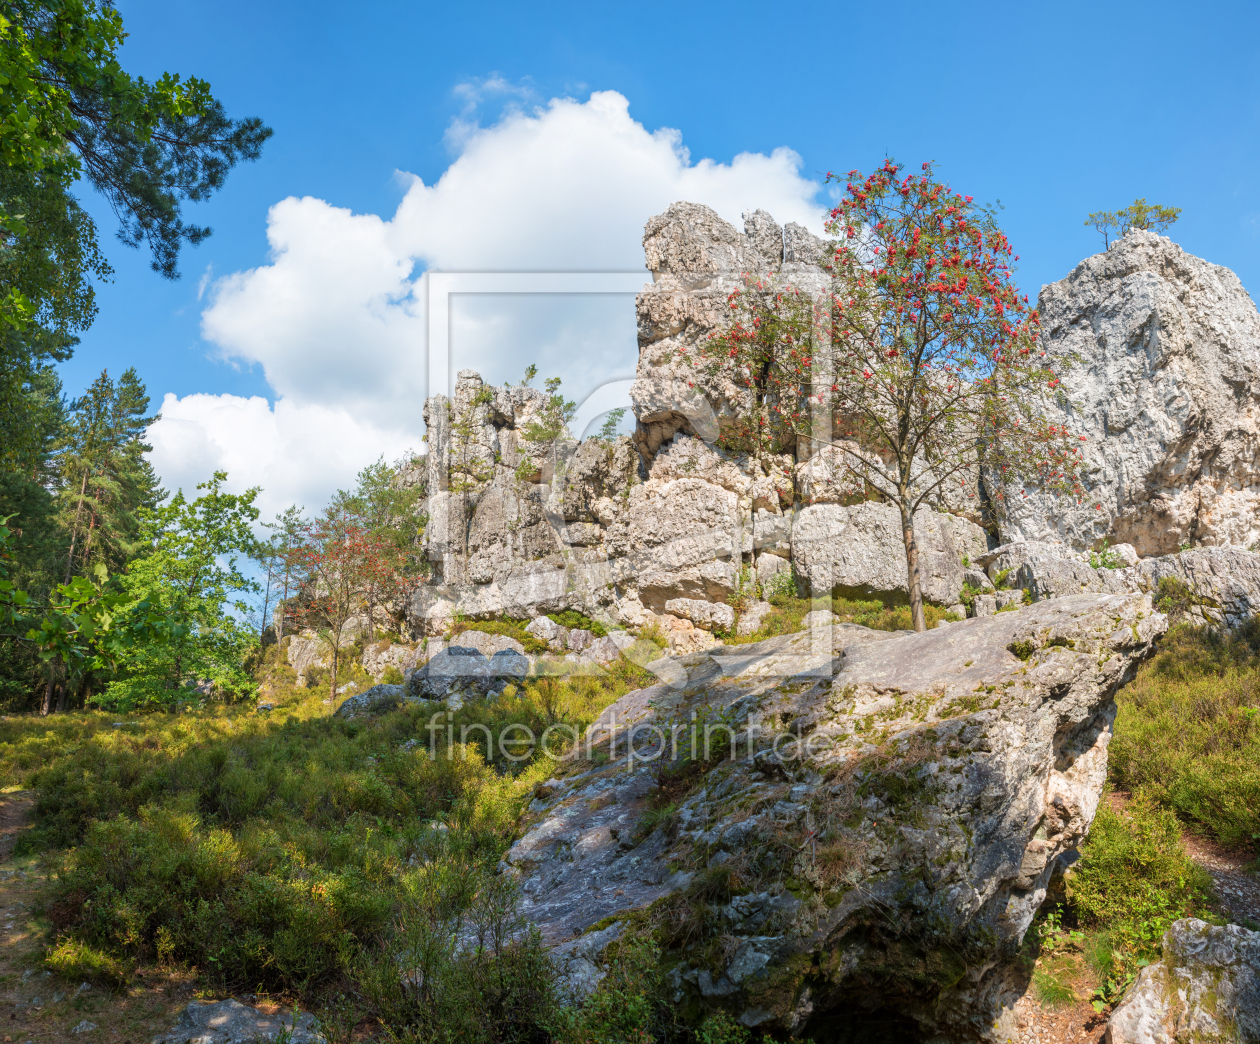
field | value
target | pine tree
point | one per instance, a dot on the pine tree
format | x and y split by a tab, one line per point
105	476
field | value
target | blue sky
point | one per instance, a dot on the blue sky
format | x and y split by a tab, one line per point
1055	109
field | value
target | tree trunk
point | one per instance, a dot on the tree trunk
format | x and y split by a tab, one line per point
50	691
912	565
74	533
332	686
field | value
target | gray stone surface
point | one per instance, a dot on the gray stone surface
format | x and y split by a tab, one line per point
944	776
1205	988
377	700
859	549
231	1022
752	617
1167	393
711	616
459	673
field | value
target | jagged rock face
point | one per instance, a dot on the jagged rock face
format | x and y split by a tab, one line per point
887	859
697	259
861	551
1223	583
1167	381
1206	987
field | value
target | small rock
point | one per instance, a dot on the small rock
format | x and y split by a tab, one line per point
711	616
84	1027
1206	987
580	639
818	618
231	1022
752	617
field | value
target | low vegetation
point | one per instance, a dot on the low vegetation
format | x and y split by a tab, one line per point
789	612
1185	754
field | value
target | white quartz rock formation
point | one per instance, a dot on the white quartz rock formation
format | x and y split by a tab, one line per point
1166	387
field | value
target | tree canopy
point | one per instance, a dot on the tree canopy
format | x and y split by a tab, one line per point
917	367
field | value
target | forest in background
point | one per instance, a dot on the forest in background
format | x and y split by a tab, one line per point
98	568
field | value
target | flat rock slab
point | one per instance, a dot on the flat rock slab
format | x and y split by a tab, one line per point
231	1022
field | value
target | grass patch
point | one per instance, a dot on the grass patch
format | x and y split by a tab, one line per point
1051	991
508	628
1188	730
789	611
76	961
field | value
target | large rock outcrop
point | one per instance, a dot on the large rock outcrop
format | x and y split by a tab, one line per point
876	827
621	529
1166	386
1205	988
1217	585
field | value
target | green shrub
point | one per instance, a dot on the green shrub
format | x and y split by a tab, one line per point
1134	878
1187	730
572	619
392	676
1105	557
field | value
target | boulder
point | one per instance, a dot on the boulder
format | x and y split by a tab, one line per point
1205	987
604	650
486	644
1222	583
751	618
579	638
377	700
378	657
711	616
459	673
883	808
1166	390
859	550
306	650
231	1022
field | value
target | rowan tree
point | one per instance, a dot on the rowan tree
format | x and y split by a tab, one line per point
919	365
344	565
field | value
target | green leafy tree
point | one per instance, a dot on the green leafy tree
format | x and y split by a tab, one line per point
387	502
549	425
90	623
608	430
919	366
188	572
276	555
1140	214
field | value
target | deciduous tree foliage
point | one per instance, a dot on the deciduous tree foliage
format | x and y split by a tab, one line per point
1139	215
344	566
918	366
187	572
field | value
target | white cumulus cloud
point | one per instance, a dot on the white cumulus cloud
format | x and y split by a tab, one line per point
336	318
